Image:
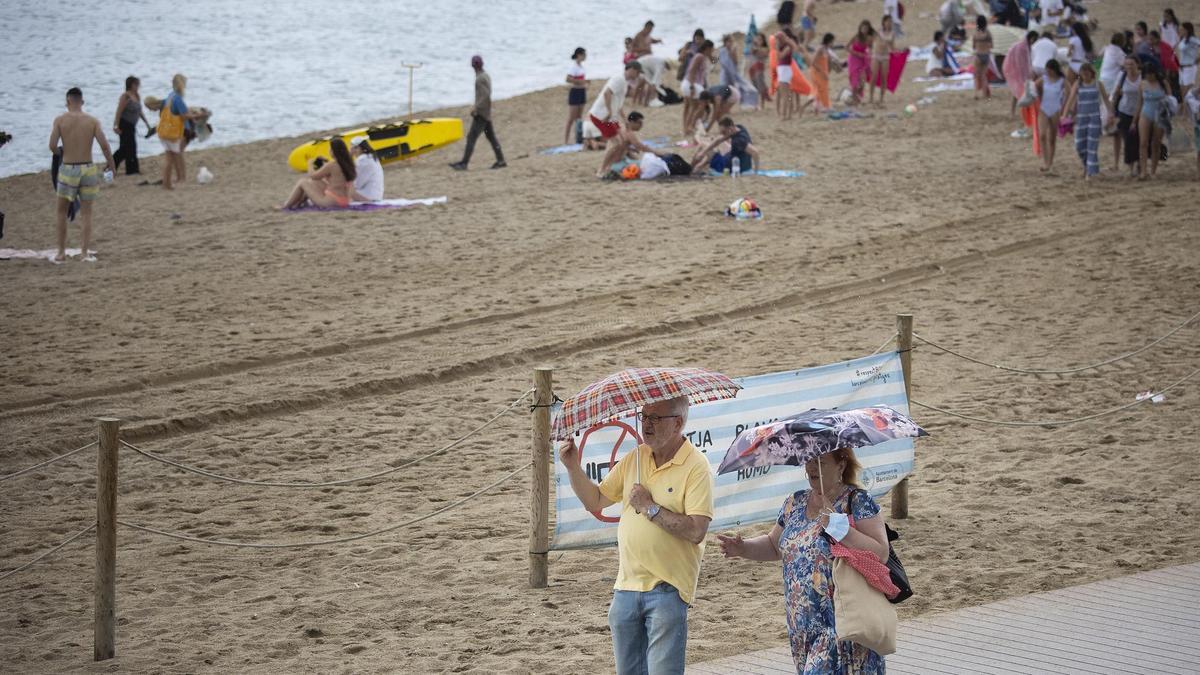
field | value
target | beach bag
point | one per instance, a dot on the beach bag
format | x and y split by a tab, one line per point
669	96
898	577
170	125
677	165
862	614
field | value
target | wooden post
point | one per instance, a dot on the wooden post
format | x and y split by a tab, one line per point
539	487
106	540
904	342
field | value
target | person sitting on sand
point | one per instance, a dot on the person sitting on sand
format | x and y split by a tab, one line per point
328	184
625	147
733	141
938	65
368	179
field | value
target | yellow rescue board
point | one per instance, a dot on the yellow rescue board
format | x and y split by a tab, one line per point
391	142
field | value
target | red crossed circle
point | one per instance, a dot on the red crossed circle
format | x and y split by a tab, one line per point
626	430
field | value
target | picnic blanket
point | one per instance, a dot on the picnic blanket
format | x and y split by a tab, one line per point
380	205
658	142
767	173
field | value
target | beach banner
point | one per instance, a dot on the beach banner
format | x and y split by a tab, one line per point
752	496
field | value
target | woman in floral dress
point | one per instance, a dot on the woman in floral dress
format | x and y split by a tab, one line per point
798	539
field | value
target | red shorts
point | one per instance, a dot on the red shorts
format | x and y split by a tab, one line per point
607	129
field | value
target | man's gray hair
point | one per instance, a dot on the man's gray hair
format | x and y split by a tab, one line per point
679	406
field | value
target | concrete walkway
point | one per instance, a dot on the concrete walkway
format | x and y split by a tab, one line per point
1143	623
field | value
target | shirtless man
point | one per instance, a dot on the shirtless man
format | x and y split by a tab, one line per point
78	176
642	42
694	82
626	144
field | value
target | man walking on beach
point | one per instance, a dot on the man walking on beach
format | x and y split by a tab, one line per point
660	538
642	42
78	176
481	118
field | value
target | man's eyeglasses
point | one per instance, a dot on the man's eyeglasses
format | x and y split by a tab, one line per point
653	420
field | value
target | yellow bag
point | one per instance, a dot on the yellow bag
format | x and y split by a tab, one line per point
170	125
861	613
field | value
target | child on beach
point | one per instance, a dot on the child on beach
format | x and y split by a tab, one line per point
938	65
1086	98
1127	98
785	45
760	55
859	61
694	84
824	60
981	42
881	55
577	94
1050	94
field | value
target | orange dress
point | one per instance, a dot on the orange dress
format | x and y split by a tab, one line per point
820	79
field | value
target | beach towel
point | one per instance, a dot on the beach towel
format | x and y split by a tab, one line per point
1018	67
1029	115
800	84
820	80
31	254
657	142
895	71
961	77
765	173
957	85
380	205
730	77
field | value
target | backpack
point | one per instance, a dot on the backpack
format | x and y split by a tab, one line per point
669	96
170	125
677	165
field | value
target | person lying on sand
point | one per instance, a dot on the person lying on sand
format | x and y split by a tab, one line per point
732	142
625	148
328	184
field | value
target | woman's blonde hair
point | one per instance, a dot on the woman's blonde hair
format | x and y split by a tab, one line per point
852	469
178	82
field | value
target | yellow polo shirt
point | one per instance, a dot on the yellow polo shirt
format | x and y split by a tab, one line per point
649	554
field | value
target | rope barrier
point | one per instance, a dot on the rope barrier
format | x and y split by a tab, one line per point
886	343
333	483
48	462
1059	423
1059	371
52	551
328	542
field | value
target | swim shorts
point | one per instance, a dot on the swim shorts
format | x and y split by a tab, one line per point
175	146
806	23
607	128
784	73
82	180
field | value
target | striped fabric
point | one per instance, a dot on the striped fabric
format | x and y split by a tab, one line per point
753	495
624	392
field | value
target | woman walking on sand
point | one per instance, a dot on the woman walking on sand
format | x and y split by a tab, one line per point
760	55
1127	98
1050	93
981	42
1150	129
577	94
1086	98
129	111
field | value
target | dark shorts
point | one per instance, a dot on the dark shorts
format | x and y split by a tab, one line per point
1124	122
576	96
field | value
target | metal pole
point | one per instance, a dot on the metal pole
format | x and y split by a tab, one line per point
105	642
411	67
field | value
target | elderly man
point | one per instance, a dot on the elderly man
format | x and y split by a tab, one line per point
660	538
481	118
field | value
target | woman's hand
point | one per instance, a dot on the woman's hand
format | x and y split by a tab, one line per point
732	546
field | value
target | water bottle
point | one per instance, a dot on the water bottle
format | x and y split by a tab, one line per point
108	176
737	167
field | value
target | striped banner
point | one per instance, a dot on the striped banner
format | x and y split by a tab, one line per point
753	496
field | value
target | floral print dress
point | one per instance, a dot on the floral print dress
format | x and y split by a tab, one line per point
808	590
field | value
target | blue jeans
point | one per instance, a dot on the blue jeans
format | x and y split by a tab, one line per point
649	631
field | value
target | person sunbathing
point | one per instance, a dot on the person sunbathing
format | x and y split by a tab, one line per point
328	184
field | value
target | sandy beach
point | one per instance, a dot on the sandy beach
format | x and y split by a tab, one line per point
316	346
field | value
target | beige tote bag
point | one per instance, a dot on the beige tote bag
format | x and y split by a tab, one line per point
862	614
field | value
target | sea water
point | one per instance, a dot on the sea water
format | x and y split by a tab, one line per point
276	68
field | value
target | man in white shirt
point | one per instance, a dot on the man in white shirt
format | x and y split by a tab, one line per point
1041	52
609	107
368	179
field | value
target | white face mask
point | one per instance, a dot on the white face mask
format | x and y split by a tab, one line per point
839	526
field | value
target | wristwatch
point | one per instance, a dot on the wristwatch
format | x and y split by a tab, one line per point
652	511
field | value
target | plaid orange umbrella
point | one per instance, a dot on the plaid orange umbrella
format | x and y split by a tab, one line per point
622	393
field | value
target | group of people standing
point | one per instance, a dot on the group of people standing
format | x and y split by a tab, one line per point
1134	89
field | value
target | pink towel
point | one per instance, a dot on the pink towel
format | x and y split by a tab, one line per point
1018	67
875	572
